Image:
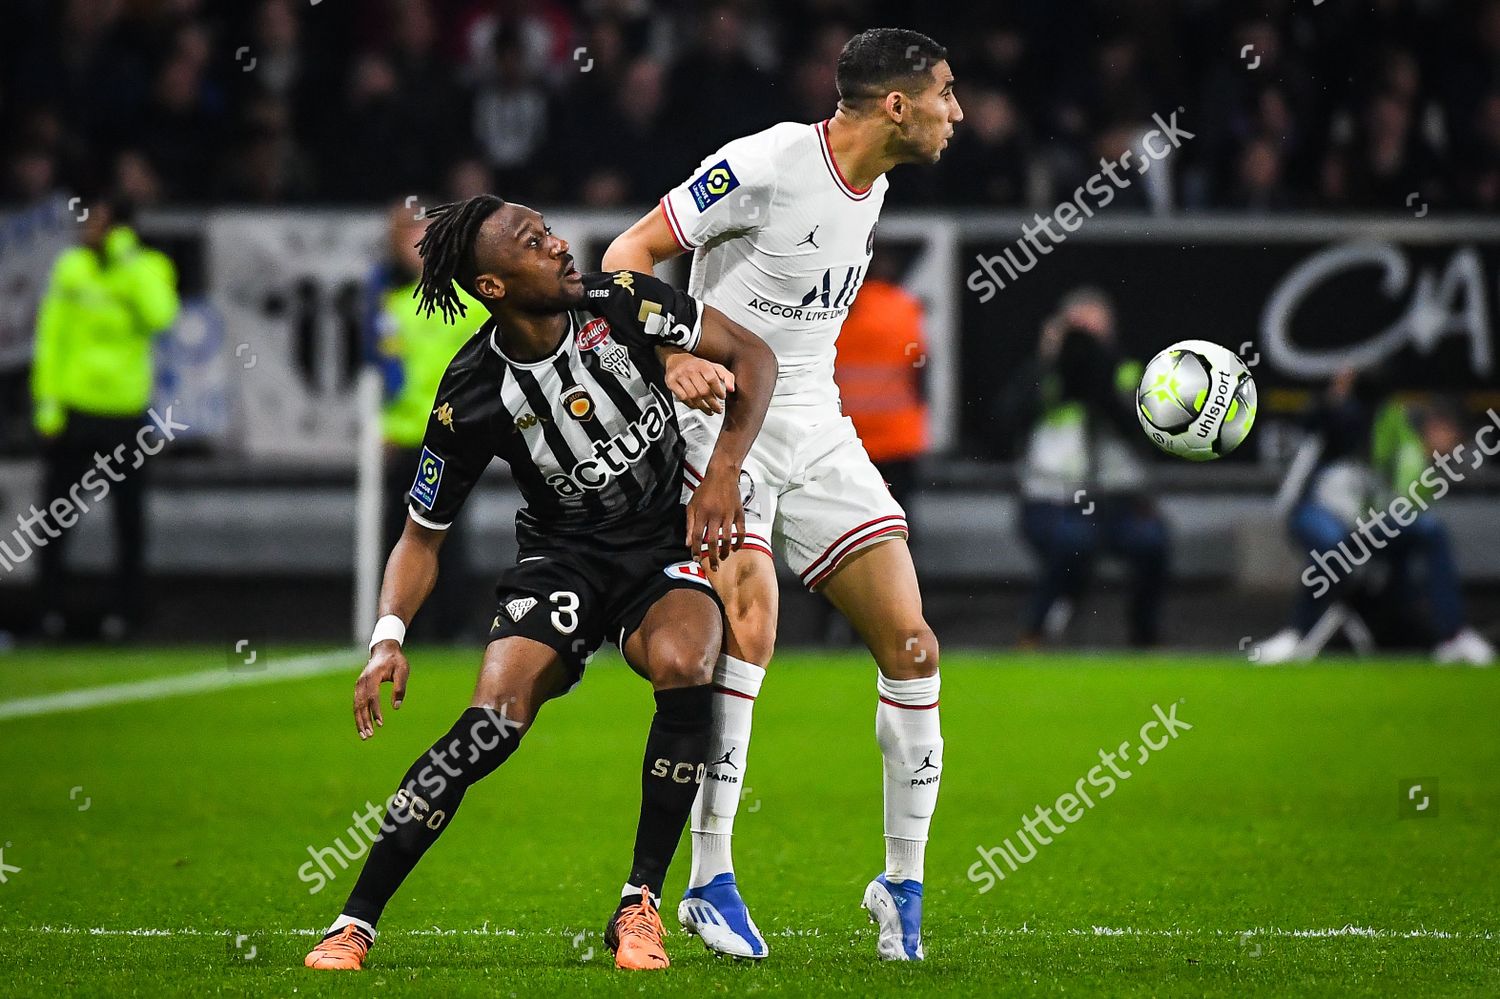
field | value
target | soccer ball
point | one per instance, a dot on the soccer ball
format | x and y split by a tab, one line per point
1196	400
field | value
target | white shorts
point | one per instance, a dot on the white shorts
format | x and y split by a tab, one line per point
812	496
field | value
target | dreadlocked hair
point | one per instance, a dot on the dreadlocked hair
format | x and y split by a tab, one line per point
447	249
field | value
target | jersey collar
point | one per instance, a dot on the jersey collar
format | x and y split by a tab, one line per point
833	167
562	346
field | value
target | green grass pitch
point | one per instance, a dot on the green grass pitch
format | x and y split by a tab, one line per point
1268	851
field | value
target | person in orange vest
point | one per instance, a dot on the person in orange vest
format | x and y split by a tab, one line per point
882	358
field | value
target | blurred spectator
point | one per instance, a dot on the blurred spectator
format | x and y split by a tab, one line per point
1477	179
387	97
511	115
414	351
136	179
1388	160
1368	448
882	354
605	152
1260	188
1082	484
32	174
265	165
990	157
178	132
469	178
716	92
91	385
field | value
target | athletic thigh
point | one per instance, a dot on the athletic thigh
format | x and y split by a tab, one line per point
835	505
518	676
678	640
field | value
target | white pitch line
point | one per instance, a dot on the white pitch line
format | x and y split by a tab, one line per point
176	686
1363	932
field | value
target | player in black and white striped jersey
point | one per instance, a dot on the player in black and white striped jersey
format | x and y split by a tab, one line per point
564	383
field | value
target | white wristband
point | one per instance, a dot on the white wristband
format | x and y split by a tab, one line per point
389	626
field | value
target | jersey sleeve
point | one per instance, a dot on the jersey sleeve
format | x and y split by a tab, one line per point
729	193
455	452
644	310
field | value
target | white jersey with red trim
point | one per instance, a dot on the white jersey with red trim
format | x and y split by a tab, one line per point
780	245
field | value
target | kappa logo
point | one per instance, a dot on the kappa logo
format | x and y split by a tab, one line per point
528	420
520	607
444	413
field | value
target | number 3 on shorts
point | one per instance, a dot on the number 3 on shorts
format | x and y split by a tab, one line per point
565	617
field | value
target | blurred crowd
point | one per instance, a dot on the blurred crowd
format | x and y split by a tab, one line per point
1344	105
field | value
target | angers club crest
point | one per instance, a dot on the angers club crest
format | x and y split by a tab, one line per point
578	403
595	336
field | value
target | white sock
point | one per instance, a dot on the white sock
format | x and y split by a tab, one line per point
344	920
911	747
737	686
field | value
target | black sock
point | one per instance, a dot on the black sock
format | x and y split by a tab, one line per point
423	807
676	754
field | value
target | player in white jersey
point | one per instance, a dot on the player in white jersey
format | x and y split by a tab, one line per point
781	225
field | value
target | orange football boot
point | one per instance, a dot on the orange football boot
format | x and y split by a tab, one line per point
634	933
343	949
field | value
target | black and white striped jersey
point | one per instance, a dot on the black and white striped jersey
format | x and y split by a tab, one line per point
590	432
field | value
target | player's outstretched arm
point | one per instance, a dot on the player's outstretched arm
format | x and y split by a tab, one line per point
410	574
696	382
715	512
642	246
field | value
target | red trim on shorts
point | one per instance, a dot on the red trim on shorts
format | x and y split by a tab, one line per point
848	543
909	707
756	543
671	216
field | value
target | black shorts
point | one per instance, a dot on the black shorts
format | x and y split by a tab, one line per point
573	599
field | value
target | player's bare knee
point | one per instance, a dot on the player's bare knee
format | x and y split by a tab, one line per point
908	653
681	664
515	711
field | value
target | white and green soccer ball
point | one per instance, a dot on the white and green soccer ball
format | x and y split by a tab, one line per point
1196	400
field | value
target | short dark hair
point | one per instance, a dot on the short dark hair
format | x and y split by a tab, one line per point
879	60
